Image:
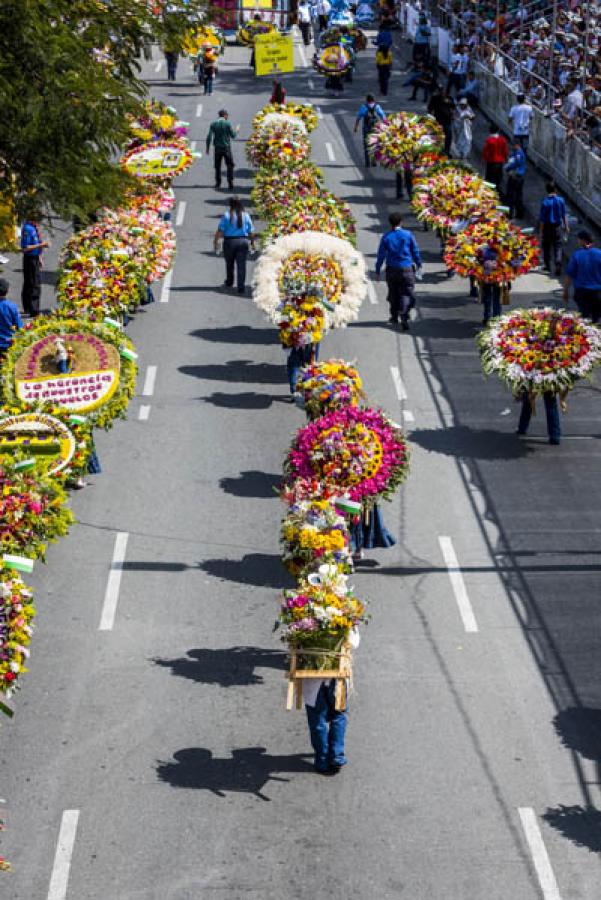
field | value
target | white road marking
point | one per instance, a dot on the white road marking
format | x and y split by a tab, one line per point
59	880
199	111
158	66
330	152
301	51
311	83
111	597
166	287
540	857
457	583
319	112
371	292
181	213
399	385
149	381
193	145
144	413
408	417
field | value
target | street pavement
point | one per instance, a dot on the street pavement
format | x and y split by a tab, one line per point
153	759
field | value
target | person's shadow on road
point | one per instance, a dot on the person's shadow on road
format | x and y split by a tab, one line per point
247	771
227	666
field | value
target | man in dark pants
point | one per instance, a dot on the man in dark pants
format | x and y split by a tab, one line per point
370	113
515	169
32	247
551	410
221	134
552	219
442	107
10	320
495	153
584	272
399	250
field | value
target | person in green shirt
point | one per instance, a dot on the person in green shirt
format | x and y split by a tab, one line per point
221	134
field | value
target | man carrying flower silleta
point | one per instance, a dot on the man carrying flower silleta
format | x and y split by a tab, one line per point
398	248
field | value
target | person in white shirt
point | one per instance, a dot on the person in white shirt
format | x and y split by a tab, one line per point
304	21
519	116
455	66
573	103
322	8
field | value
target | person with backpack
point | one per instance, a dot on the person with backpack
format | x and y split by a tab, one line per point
370	113
384	67
553	223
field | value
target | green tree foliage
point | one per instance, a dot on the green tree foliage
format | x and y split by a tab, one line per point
69	77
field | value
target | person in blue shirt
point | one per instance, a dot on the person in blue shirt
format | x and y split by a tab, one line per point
236	231
32	247
370	113
398	249
515	169
421	43
584	272
10	320
552	220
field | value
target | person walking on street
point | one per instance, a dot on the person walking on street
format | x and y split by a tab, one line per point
32	247
519	116
553	223
584	272
278	94
322	8
442	107
221	133
456	74
236	231
304	21
398	249
171	58
10	320
552	414
491	292
384	67
462	130
421	42
495	153
210	70
515	169
370	113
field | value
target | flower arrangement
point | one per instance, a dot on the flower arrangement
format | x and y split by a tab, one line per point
30	432
284	144
450	194
302	319
329	385
303	111
360	452
493	251
33	510
538	350
248	31
314	258
155	122
203	37
161	160
333	60
16	614
151	197
104	356
276	189
322	212
403	137
270	121
312	534
334	34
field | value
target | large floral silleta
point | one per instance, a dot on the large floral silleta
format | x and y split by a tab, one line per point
492	250
450	193
403	138
16	615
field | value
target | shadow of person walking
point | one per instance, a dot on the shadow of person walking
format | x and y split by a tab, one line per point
227	666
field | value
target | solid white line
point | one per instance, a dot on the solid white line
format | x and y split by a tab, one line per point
302	55
408	417
59	880
107	619
540	857
166	287
144	413
399	384
192	146
199	111
158	66
371	292
151	376
181	213
330	152
457	583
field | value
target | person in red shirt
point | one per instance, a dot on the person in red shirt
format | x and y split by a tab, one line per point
495	154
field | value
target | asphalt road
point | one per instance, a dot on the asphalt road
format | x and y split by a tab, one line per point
159	749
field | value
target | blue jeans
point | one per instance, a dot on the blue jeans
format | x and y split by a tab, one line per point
491	300
297	358
328	727
552	411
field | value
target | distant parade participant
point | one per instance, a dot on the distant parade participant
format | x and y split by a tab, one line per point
553	221
398	249
32	247
237	232
584	272
10	320
221	133
370	113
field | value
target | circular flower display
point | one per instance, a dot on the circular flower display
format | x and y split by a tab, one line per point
161	160
329	385
16	614
402	138
313	533
333	60
274	119
318	259
451	194
334	34
282	145
492	251
248	31
59	441
101	375
156	122
324	212
303	111
538	350
33	510
276	189
203	37
357	451
302	320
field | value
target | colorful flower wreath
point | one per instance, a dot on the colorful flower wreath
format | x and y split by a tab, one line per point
161	160
538	350
16	614
402	138
450	194
324	212
151	197
273	120
282	145
303	111
492	251
329	385
359	452
333	60
316	259
155	122
203	37
334	34
312	534
302	319
35	432
276	189
20	365
248	31
33	509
